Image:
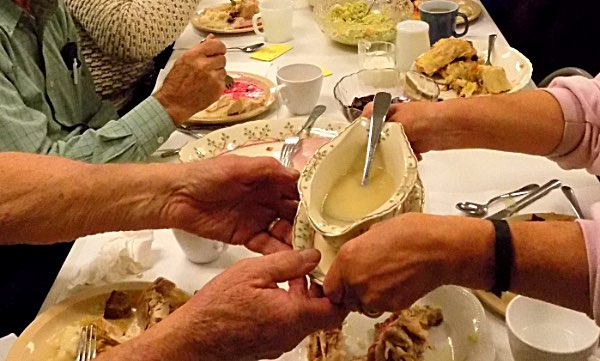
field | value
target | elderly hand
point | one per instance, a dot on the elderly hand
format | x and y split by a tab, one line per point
196	81
399	260
235	200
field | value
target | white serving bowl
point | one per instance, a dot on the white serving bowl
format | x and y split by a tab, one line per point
541	331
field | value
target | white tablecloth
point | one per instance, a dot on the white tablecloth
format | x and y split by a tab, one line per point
448	177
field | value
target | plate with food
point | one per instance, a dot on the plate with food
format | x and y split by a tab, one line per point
230	18
457	65
263	138
498	304
470	8
120	312
449	323
250	95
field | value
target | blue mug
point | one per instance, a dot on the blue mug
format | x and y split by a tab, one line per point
441	17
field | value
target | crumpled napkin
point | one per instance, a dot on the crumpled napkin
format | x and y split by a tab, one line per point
129	253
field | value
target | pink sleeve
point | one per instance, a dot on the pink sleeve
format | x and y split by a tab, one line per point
579	99
591	234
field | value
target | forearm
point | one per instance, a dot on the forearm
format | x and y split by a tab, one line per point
50	199
527	122
550	260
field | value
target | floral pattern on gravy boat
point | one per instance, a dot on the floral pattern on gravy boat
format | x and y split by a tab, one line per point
333	159
304	235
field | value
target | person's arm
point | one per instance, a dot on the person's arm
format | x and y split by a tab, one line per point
400	260
528	122
133	30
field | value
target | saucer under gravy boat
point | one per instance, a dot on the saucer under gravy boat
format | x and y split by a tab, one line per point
337	207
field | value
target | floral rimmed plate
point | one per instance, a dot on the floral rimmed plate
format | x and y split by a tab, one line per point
304	235
261	87
262	138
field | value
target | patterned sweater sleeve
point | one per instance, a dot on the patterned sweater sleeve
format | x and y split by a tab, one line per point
579	99
133	30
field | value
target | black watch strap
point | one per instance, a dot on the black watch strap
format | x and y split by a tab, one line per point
503	257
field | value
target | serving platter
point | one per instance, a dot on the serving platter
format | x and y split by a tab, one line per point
264	84
39	341
262	138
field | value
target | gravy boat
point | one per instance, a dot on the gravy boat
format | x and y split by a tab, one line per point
333	160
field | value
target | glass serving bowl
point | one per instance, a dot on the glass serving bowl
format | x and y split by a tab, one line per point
347	21
353	91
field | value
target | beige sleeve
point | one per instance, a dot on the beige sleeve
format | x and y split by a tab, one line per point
133	30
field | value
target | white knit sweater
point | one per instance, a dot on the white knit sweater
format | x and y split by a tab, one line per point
119	38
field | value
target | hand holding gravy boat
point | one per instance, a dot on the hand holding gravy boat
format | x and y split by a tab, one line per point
335	208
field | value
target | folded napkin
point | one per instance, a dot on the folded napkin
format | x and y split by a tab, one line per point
128	253
6	343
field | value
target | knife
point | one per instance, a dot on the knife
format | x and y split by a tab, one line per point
527	200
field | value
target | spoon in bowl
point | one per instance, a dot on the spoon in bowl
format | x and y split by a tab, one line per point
478	209
248	48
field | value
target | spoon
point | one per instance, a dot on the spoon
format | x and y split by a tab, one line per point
248	48
570	194
381	105
477	209
491	42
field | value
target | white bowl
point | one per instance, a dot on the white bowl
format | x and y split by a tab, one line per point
541	331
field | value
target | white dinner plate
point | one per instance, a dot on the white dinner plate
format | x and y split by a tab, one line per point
262	138
464	334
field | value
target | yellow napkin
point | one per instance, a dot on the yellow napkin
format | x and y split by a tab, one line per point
326	72
271	52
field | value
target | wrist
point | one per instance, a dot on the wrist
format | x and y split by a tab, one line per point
472	253
177	113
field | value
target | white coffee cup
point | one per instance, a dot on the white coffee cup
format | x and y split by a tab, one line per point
277	17
299	87
541	331
412	40
198	249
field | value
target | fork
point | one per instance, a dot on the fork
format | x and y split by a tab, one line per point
290	143
87	343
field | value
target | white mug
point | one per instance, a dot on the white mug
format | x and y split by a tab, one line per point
412	40
198	249
299	87
277	17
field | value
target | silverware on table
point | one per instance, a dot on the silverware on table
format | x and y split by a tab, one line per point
166	153
86	350
248	48
491	42
481	209
189	132
291	143
381	105
527	200
570	194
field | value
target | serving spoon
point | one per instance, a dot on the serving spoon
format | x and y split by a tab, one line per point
248	48
478	209
491	42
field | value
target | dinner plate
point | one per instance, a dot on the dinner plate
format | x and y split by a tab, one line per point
39	341
498	304
464	334
262	138
516	65
202	26
265	84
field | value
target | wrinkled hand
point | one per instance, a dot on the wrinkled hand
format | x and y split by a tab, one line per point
249	318
414	117
400	260
196	81
235	199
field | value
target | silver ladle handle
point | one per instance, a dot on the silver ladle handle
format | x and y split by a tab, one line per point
381	105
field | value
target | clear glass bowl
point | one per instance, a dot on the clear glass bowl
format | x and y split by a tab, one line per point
346	21
368	82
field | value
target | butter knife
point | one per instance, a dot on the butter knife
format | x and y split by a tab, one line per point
527	200
381	105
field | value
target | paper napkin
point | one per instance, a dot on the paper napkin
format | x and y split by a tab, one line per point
6	343
271	52
129	253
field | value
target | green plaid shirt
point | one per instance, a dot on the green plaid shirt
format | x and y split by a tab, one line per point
42	110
